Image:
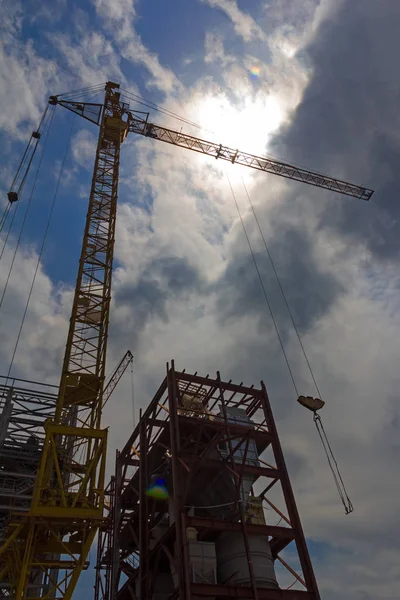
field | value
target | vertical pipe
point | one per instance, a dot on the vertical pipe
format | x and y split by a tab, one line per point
143	511
180	521
294	517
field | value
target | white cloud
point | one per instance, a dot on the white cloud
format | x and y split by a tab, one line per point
215	51
91	60
118	20
39	351
25	78
119	10
243	22
83	148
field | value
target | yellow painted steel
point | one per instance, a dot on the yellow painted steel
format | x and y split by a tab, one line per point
47	547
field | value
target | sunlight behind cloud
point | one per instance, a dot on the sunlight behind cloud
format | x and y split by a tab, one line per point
247	127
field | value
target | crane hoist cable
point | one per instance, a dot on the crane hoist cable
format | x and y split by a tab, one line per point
5	215
281	289
310	403
19	180
39	258
263	289
9	226
46	131
17	194
82	91
164	111
348	506
43	129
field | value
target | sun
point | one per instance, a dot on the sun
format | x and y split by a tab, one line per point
247	126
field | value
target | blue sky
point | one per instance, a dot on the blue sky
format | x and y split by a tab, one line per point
326	97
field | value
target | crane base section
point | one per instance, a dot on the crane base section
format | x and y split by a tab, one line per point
55	536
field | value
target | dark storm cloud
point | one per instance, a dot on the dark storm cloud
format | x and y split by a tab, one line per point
166	278
309	291
348	123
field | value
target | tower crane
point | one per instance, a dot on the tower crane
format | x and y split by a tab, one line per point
67	506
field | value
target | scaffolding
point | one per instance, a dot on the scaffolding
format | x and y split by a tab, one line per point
209	441
24	407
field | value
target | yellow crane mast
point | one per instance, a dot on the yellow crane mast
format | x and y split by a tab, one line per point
67	507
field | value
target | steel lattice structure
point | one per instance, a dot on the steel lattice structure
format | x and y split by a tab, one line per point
203	454
238	157
141	126
67	506
24	407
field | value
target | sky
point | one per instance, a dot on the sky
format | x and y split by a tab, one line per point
313	82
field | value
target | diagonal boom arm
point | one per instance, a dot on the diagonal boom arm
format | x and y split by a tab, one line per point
248	160
136	123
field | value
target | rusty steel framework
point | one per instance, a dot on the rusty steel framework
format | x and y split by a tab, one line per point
202	454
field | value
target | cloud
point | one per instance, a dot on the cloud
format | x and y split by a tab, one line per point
118	20
296	261
25	78
88	55
123	11
214	49
38	351
244	25
351	79
83	148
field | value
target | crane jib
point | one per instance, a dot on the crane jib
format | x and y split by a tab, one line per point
235	156
141	126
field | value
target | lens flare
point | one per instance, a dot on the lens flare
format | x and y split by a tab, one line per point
157	489
255	71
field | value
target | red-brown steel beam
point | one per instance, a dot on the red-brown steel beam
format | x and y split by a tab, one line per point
143	513
294	517
215	464
125	453
284	533
240	389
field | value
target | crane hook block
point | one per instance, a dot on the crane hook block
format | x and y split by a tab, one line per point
53	100
312	404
